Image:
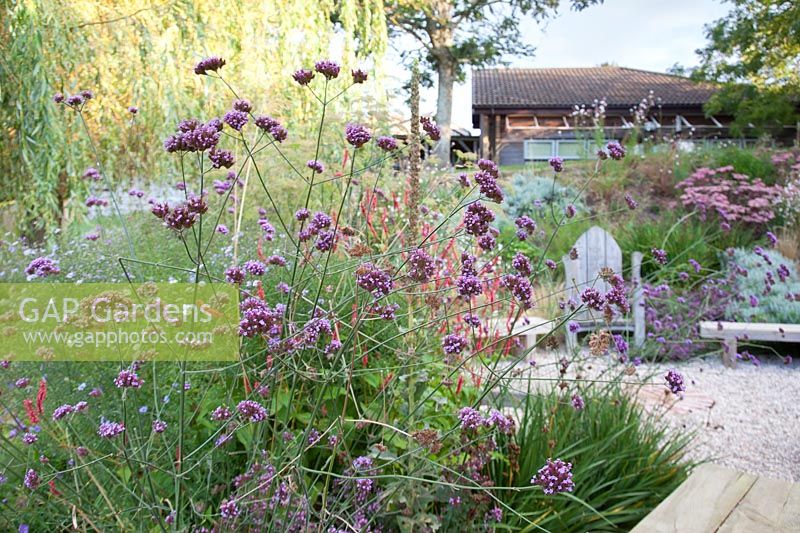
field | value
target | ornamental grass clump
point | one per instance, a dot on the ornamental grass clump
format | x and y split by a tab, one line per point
370	393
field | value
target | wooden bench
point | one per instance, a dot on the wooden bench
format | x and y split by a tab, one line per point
732	332
720	500
528	328
597	250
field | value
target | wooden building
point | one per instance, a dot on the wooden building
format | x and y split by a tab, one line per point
534	114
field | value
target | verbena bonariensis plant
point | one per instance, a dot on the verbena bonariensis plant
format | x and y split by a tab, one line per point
368	395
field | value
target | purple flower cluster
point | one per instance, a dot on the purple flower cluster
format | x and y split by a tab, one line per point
303	77
486	178
675	381
31	480
522	264
526	227
194	136
93	174
228	509
386	143
557	163
577	402
357	135
316	166
159	426
471	419
258	318
359	76
127	379
659	256
477	219
431	128
234	275
221	413
421	266
252	411
453	344
62	411
374	280
615	150
42	267
109	430
209	64
221	158
271	126
236	119
632	204
521	289
554	477
329	69
255	268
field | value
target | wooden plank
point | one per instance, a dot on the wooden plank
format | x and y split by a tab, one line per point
638	299
753	330
701	504
769	505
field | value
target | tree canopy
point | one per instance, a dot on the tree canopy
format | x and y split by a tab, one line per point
755	52
454	35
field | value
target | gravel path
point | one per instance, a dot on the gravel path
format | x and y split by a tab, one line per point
747	418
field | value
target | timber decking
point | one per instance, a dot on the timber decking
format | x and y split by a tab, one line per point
717	499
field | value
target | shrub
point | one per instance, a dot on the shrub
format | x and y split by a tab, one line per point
537	195
625	462
731	196
766	287
683	237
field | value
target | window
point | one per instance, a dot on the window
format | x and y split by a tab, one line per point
521	121
571	149
538	150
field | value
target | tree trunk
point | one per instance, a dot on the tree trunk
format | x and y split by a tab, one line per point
444	105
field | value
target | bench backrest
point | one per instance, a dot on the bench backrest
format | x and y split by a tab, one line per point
596	249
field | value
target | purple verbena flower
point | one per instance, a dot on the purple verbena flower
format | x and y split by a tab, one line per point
316	166
252	411
303	77
554	477
42	267
431	128
326	67
109	430
421	266
659	255
386	143
675	381
357	135
127	379
471	419
209	64
374	280
453	344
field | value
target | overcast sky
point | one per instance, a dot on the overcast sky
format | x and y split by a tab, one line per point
645	34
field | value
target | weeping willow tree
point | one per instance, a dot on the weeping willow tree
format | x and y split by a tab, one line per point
141	52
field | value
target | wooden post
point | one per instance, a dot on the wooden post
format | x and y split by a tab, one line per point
483	124
638	299
729	355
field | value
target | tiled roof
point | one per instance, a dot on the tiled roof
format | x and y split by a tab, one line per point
558	87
